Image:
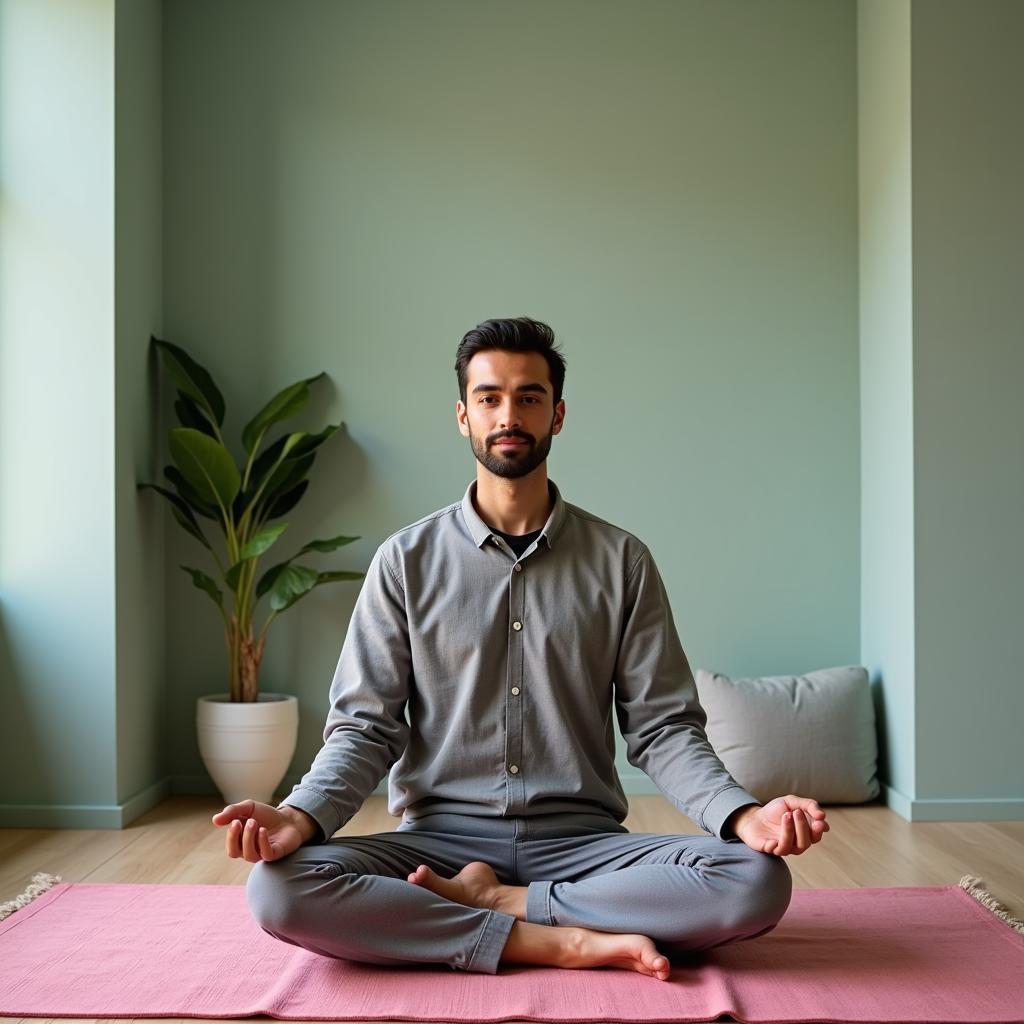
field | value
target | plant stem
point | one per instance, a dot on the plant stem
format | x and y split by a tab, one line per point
233	682
266	625
252	457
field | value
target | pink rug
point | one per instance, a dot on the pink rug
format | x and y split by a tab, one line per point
113	950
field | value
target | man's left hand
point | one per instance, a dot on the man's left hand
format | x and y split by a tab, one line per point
787	825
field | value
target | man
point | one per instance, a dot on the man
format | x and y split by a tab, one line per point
510	625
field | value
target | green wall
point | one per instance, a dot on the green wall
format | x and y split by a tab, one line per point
941	158
777	242
968	141
57	604
140	525
352	186
886	384
81	559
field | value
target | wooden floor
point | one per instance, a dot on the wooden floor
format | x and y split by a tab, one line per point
870	845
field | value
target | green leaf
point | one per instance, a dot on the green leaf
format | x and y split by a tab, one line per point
266	462
327	545
284	472
262	541
206	464
296	581
286	502
339	574
191	378
204	583
285	477
266	581
284	404
189	494
260	467
290	584
182	513
253	549
311	442
190	415
291	442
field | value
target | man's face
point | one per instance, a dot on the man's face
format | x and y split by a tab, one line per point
509	398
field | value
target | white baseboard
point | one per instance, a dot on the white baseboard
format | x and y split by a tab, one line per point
113	816
898	802
954	809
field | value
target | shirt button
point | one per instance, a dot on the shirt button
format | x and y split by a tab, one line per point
513	768
517	625
515	691
518	567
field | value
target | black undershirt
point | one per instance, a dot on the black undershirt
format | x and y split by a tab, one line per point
519	542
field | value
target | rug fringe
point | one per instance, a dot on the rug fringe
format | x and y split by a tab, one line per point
41	881
976	887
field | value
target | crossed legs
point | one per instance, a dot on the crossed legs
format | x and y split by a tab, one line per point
476	885
628	900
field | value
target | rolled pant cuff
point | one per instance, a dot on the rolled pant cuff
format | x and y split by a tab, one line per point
493	937
538	903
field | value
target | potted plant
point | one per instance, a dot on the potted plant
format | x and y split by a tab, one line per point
246	739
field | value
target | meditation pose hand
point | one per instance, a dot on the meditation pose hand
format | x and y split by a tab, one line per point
258	831
783	826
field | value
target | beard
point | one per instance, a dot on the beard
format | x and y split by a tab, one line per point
511	463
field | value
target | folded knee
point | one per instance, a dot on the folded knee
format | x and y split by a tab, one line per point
776	885
766	893
282	894
270	895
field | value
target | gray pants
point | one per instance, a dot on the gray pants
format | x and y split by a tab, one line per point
349	898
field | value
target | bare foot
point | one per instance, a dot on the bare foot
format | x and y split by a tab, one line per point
582	947
609	949
476	885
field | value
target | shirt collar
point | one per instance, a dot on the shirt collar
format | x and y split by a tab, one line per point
481	532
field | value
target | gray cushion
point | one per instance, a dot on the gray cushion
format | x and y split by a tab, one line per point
811	735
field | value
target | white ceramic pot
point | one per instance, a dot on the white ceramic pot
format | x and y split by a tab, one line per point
247	745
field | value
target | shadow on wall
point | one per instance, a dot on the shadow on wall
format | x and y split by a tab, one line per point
21	745
881	732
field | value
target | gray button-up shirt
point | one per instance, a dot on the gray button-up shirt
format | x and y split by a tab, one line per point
509	669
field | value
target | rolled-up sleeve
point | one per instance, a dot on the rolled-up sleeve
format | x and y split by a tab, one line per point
366	730
658	710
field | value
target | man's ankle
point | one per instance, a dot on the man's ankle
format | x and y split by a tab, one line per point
512	900
542	944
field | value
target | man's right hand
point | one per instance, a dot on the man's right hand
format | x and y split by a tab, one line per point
258	831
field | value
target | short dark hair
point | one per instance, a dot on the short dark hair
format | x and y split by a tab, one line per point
521	334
